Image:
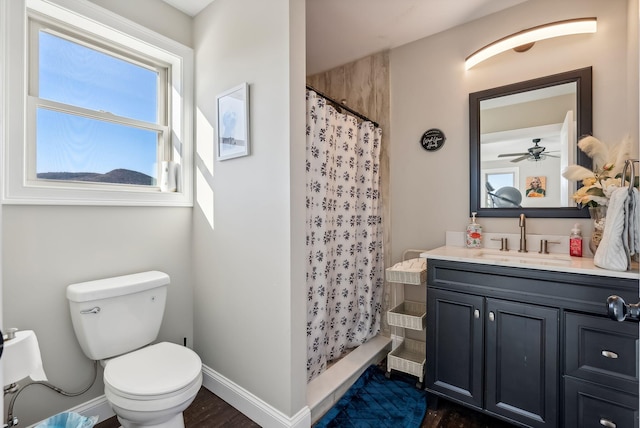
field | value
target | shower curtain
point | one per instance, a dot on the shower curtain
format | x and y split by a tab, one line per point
345	266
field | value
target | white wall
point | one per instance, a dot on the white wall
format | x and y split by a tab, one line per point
156	15
3	104
429	89
245	237
248	231
45	248
633	64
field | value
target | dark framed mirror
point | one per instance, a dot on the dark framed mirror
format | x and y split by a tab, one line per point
522	136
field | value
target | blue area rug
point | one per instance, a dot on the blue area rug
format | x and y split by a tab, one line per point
375	401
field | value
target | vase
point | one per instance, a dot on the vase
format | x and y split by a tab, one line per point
598	216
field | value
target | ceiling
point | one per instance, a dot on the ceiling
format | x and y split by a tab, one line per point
190	7
341	31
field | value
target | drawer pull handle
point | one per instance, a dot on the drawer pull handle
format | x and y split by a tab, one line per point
607	423
609	354
476	314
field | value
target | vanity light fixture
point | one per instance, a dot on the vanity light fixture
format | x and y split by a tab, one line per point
523	40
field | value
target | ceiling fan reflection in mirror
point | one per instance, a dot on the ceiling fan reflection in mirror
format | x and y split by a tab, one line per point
534	153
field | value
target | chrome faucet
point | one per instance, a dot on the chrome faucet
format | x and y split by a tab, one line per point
523	234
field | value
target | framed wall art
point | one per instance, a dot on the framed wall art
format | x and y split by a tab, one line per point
233	122
536	187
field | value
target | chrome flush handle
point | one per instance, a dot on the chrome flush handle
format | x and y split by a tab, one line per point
94	310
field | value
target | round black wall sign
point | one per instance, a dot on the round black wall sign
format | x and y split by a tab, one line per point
432	140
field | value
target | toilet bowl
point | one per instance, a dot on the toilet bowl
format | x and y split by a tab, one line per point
115	320
152	386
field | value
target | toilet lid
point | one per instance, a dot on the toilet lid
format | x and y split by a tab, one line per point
157	369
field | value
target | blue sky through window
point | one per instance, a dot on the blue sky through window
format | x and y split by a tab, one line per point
68	143
74	74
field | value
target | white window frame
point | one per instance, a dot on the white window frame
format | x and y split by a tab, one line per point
95	23
483	180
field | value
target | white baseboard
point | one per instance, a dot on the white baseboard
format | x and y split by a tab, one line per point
253	407
99	406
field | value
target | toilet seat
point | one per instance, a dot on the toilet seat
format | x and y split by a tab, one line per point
155	372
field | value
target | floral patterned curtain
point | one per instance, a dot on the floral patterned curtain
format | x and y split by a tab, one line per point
345	266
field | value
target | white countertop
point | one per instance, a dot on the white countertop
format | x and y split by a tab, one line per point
551	262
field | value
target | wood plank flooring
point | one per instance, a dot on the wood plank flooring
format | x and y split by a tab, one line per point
206	411
210	411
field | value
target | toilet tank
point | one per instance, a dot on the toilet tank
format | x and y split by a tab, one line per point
113	316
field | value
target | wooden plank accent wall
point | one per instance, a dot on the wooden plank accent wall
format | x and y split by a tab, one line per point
364	85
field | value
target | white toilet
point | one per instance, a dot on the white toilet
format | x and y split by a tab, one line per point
114	320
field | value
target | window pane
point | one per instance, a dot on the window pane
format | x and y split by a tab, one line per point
500	180
74	74
75	148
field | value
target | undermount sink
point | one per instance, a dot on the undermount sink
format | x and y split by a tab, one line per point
525	258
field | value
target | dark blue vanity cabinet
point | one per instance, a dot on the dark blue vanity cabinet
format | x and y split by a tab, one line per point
532	347
496	355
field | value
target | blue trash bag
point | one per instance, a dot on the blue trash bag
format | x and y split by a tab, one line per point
68	420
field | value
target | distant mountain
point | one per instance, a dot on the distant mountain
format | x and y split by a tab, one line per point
118	176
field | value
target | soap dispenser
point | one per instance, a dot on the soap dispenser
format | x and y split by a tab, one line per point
474	233
575	241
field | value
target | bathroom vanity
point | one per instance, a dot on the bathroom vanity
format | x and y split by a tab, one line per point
528	340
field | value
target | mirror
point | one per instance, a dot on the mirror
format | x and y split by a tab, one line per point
522	136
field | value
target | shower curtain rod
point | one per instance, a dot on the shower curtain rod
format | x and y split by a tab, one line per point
338	105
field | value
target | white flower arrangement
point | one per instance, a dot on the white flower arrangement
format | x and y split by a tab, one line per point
597	185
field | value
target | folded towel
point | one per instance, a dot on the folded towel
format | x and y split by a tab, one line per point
634	223
613	251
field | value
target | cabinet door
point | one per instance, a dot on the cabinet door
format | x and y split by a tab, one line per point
454	346
522	362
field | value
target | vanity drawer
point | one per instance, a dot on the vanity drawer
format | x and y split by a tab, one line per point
602	350
592	406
